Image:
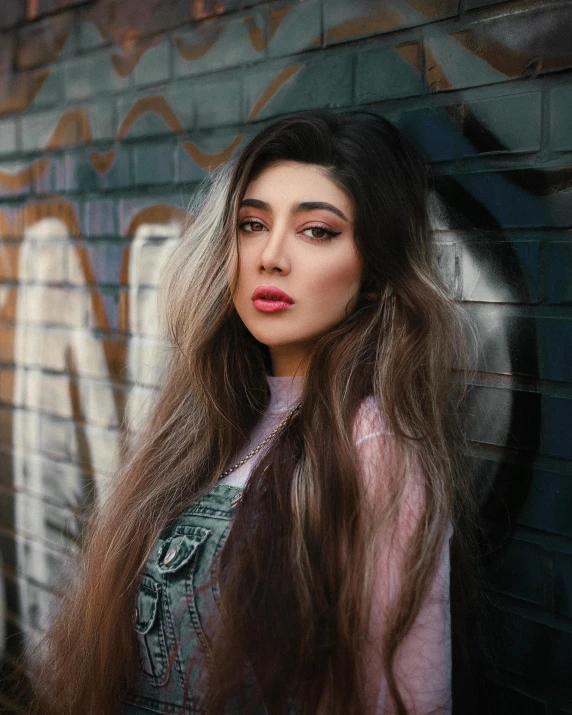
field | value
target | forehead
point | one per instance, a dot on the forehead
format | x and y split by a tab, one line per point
286	183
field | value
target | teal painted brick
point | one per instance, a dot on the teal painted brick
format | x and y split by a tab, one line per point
210	146
546	507
385	74
37	128
556	269
153	163
556	421
432	130
217	102
51	93
563	584
81	174
179	95
89	37
101	119
155	64
561	118
8	138
518	570
217	44
345	20
325	82
146	123
555	348
300	27
510	123
91	75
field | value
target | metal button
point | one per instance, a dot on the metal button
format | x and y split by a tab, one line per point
234	501
170	555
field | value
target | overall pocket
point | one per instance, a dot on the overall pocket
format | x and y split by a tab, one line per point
151	639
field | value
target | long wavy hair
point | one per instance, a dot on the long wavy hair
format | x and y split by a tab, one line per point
298	563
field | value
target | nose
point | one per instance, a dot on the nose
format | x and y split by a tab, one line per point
274	255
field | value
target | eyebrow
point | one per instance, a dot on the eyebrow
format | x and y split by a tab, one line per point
298	208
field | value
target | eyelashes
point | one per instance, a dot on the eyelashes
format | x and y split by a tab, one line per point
327	233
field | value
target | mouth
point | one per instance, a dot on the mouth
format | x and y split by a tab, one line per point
270	299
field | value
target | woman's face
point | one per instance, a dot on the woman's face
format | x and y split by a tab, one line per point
296	234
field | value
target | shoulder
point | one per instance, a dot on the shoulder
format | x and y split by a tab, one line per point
369	422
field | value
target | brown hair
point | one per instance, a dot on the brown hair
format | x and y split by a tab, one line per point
401	344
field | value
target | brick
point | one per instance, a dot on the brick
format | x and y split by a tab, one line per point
147	261
217	102
563	584
531	650
99	218
38	128
43	42
92	74
13	12
9	254
502	699
138	407
8	304
560	111
555	349
51	91
147	359
105	262
82	175
348	21
207	8
53	306
505	417
108	309
518	570
432	130
556	271
556	418
155	64
148	114
15	178
57	439
217	44
105	404
52	178
276	88
7	386
387	73
103	451
153	163
294	27
502	271
88	36
146	316
513	198
511	123
8	139
48	263
52	394
7	336
25	427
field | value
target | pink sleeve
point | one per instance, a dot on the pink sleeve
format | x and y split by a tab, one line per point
423	660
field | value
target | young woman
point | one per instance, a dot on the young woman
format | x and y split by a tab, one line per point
278	539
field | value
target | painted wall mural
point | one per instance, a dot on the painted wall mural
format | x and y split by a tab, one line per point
112	112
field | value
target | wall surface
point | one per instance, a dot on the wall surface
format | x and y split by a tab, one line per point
112	110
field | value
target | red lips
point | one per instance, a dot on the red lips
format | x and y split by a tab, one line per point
271	293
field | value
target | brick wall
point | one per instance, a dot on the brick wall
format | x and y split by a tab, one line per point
112	110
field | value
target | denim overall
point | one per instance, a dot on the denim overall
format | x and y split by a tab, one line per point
176	594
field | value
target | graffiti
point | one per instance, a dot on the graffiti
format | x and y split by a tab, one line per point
122	108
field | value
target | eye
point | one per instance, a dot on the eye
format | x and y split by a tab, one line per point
251	226
320	233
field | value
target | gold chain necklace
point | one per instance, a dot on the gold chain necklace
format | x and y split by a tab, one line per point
264	441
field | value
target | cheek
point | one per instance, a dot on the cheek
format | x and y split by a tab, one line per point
339	281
